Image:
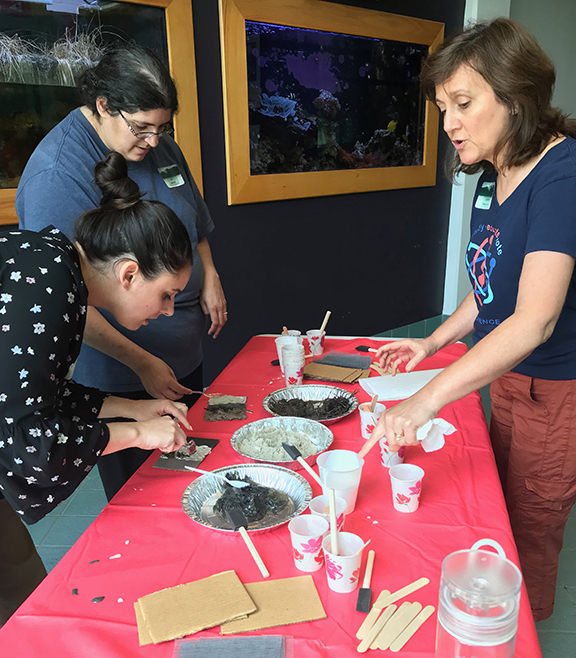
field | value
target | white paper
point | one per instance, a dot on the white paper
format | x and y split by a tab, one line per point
432	434
400	387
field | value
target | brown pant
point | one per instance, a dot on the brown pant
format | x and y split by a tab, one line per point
21	569
533	432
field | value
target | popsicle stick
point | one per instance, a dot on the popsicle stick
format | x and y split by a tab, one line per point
369	567
254	552
406	613
412	627
325	321
333	528
375	630
384	600
285	331
370	620
309	468
373	403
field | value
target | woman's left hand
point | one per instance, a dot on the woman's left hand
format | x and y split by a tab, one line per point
213	302
400	423
150	409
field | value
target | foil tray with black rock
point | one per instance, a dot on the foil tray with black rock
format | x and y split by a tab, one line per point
200	498
318	397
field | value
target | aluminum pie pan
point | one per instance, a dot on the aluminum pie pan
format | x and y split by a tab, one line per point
200	496
311	392
319	435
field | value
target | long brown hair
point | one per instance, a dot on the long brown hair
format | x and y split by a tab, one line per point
522	77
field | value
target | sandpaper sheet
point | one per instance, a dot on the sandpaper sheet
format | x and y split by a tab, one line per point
334	373
279	602
191	607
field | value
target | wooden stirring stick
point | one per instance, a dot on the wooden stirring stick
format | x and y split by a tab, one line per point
333	528
373	403
412	627
384	600
371	618
325	322
285	331
237	521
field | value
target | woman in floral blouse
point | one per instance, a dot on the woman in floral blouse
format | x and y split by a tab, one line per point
131	257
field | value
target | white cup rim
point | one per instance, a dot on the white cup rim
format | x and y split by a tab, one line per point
406	472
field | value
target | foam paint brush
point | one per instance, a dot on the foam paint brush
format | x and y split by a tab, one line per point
237	520
365	348
365	593
297	455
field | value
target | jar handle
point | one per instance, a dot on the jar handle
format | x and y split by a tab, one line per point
489	542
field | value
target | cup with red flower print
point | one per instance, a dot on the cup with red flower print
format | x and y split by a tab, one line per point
319	506
390	458
369	419
293	359
316	341
406	482
286	340
306	533
343	570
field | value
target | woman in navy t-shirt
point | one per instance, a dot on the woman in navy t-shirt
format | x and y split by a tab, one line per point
493	85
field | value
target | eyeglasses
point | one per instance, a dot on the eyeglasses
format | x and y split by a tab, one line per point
168	130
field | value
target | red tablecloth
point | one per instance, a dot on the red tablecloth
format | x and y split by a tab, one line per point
160	546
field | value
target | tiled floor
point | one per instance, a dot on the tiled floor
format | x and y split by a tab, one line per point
56	533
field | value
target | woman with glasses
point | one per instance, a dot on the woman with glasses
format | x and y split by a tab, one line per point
128	102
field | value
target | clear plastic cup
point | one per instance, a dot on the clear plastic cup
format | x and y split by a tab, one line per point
306	533
406	482
343	570
341	470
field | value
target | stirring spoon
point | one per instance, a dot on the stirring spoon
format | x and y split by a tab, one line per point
233	483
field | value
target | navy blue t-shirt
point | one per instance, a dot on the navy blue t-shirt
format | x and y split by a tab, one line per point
540	215
58	185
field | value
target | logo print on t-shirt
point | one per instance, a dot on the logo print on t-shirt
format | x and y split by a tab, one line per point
480	264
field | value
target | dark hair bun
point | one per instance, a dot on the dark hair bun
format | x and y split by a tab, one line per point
111	176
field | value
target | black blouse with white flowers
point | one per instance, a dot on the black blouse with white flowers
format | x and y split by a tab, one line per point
50	437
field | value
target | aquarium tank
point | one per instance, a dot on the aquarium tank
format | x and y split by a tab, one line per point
321	101
43	47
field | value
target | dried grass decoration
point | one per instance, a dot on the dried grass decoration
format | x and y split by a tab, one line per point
23	61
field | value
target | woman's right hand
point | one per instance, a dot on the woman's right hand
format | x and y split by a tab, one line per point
163	433
410	351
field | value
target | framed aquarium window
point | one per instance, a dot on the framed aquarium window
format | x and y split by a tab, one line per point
43	47
324	99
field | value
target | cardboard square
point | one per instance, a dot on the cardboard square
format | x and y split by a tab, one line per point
143	634
174	464
280	603
191	607
334	373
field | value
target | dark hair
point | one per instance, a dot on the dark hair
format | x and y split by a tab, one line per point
127	226
131	79
522	77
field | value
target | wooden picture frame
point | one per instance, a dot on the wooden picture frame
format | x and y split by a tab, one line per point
180	38
243	187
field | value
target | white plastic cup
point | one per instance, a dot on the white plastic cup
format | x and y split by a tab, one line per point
406	482
369	419
293	360
316	341
390	458
341	470
294	332
306	533
286	340
321	503
343	571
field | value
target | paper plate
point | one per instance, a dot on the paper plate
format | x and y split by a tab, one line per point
311	392
200	496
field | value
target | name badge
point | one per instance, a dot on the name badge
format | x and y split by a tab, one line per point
171	175
484	198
